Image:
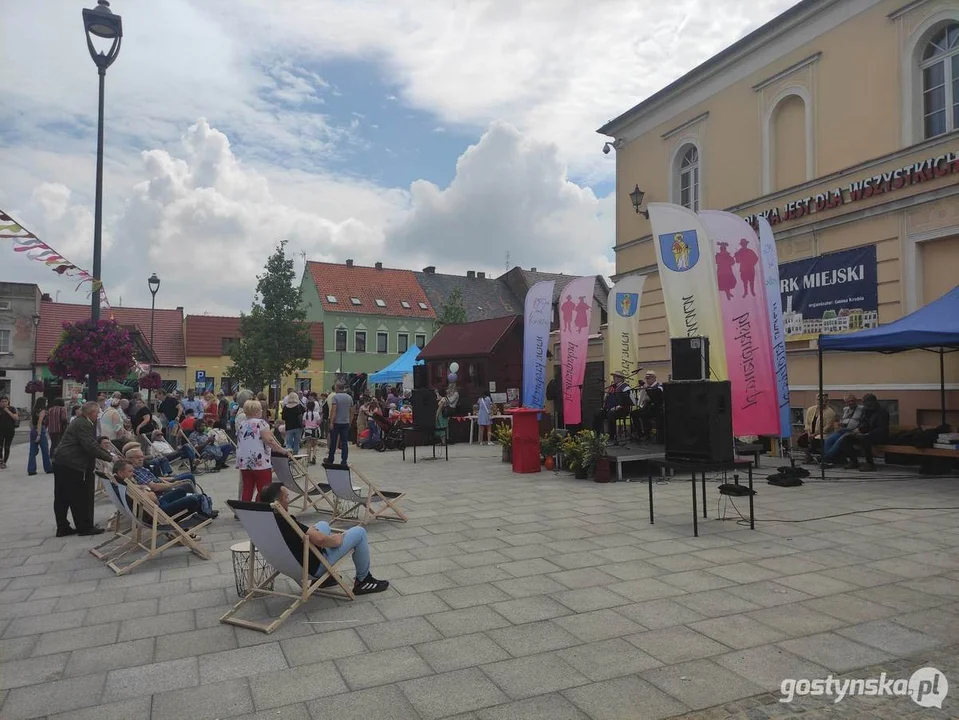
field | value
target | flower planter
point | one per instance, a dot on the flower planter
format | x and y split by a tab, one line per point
581	473
549	463
601	472
507	454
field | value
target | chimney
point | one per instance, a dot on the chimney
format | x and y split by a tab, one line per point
481	275
471	274
349	262
532	269
379	266
430	269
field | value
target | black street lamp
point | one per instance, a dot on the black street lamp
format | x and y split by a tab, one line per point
33	374
103	23
636	196
153	282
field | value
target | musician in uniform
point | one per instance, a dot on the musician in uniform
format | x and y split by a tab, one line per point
651	406
617	404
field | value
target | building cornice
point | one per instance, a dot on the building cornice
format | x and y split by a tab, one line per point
787	72
688	124
896	14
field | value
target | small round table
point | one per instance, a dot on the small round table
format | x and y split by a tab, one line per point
241	569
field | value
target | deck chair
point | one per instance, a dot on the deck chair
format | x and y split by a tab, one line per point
154	531
262	524
120	540
303	490
375	504
201	462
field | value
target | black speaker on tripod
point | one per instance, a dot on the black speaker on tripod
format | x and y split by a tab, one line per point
421	376
698	421
690	358
424	409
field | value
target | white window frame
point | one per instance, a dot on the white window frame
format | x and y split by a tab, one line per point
5	333
405	305
424	306
948	76
913	45
678	172
386	336
356	301
5	304
380	302
405	336
331	299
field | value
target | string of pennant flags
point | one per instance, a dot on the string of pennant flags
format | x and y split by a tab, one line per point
35	249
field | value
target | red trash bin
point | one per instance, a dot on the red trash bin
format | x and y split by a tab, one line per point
525	439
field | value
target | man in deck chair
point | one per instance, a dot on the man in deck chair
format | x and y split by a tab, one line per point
332	546
159	486
205	444
171	502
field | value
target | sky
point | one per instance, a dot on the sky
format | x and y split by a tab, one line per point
453	133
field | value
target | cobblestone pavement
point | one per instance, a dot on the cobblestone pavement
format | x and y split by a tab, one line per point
520	597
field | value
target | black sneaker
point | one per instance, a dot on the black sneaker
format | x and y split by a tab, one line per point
369	585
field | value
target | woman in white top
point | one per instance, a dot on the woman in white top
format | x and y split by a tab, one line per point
311	430
254	443
111	422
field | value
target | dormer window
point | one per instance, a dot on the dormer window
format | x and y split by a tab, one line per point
380	303
405	304
355	301
331	298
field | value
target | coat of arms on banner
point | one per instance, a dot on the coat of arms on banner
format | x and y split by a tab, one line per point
626	304
680	250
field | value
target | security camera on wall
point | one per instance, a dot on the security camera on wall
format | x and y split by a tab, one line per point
606	148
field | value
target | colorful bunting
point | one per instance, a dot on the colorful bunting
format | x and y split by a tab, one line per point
25	241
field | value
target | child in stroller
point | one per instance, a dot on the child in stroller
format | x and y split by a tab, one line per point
384	434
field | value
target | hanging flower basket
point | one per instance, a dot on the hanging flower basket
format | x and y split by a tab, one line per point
151	381
34	386
103	349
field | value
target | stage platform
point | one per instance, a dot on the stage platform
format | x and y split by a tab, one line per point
633	452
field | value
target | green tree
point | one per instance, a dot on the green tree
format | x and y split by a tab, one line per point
274	337
453	311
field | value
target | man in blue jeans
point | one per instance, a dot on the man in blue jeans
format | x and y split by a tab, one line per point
333	546
341	407
172	502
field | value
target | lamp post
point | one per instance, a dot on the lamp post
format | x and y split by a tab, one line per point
153	282
636	196
33	373
102	23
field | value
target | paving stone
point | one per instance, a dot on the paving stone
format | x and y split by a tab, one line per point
598	625
61	696
588	577
383	703
816	584
294	685
850	608
461	652
532	638
619	699
768	593
82	637
421	584
216	700
738	631
396	608
901	598
44	669
716	603
110	657
34	625
658	614
645	589
768	665
242	662
195	642
796	620
150	679
441	695
937	622
475	575
382	668
834	651
701	683
397	633
608	659
121	611
15	609
121	710
531	609
696	581
744	572
467	620
18	648
677	644
544	707
588	599
317	648
529	586
891	637
157	625
471	596
528	676
194	600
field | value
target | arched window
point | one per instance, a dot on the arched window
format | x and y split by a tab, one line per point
940	82
689	179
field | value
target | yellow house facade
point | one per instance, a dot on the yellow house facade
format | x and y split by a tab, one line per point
838	121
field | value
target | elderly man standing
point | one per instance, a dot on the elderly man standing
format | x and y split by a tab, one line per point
73	479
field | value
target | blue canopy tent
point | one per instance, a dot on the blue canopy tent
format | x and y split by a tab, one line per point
933	327
396	370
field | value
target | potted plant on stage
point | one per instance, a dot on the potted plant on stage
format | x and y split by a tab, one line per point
590	455
503	434
85	348
572	449
550	444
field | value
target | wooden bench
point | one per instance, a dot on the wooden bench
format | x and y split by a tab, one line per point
910	450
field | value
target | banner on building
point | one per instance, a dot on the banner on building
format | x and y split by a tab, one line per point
622	329
537	317
833	293
687	272
575	309
770	263
745	313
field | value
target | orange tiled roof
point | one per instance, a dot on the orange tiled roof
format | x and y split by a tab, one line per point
369	284
205	335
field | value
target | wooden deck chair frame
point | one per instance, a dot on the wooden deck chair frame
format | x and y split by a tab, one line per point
149	532
296	567
205	462
376	504
303	490
104	551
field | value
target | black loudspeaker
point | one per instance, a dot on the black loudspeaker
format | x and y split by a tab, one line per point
421	376
690	358
698	422
424	409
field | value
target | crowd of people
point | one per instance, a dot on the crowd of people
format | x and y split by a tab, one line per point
841	439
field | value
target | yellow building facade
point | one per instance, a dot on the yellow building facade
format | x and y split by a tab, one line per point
838	121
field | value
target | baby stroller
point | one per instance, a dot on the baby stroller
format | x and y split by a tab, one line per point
390	432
